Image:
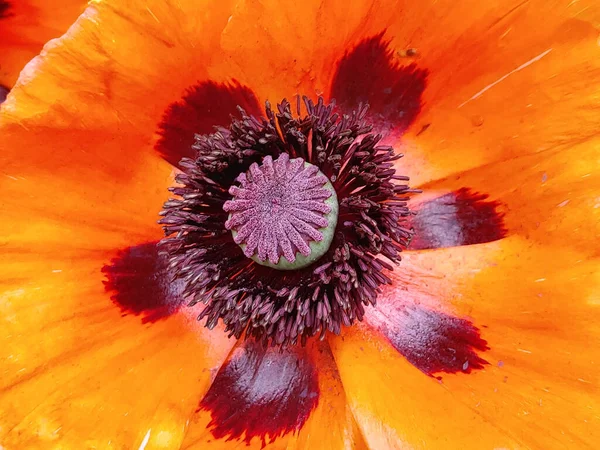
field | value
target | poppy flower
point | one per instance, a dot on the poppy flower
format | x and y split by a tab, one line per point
25	26
482	336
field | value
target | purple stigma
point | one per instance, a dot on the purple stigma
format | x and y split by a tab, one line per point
279	209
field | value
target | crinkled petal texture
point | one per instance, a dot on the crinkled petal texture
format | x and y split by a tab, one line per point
25	26
506	79
486	337
76	371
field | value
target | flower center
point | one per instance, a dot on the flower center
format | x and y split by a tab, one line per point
280	187
283	214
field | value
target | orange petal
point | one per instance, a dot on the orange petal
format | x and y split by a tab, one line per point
25	26
331	425
551	198
397	406
68	203
121	65
281	49
77	373
502	82
535	307
117	79
73	191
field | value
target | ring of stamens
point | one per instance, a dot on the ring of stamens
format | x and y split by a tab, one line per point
283	213
254	299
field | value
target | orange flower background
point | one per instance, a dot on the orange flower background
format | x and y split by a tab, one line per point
486	337
25	26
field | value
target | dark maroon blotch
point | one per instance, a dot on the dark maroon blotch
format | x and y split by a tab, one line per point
462	217
370	74
139	283
202	108
262	392
3	93
434	342
4	9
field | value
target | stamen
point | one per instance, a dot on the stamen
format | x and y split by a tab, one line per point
283	214
259	196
